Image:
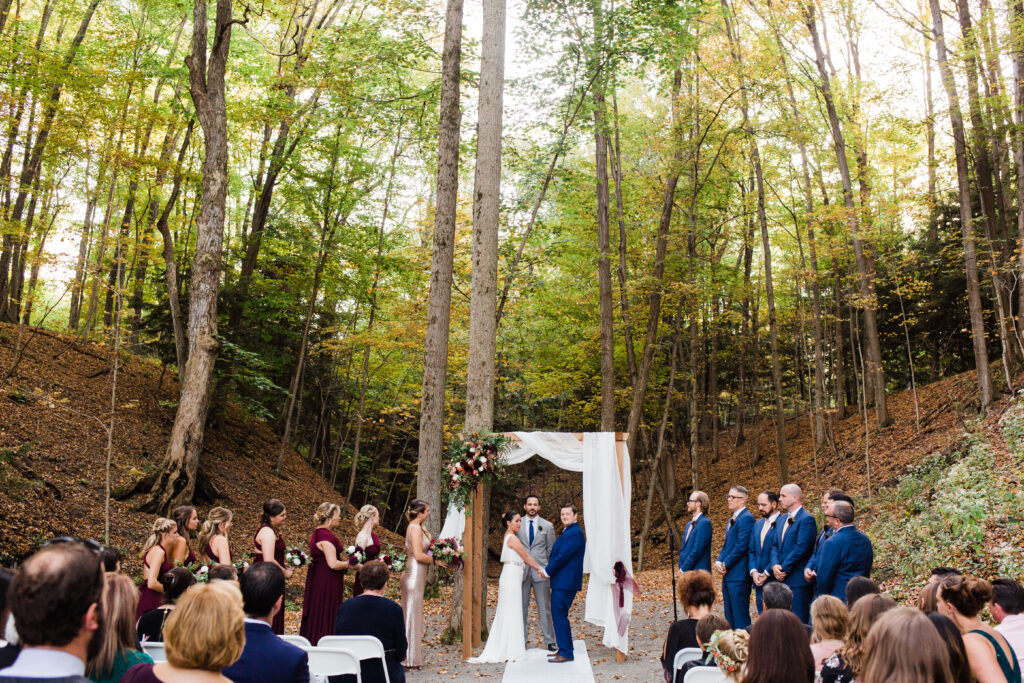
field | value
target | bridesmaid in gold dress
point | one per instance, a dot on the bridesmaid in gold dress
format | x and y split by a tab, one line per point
414	579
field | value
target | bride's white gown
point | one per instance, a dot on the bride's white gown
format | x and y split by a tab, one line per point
506	640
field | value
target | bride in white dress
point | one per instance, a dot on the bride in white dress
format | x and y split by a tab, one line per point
506	639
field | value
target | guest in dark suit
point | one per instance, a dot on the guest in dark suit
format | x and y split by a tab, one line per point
846	555
732	559
371	614
565	569
759	549
266	658
696	550
777	595
795	543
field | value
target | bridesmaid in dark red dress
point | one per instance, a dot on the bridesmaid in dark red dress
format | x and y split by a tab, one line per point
187	519
213	539
325	580
366	519
157	562
270	547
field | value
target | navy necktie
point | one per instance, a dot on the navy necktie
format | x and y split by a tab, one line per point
531	532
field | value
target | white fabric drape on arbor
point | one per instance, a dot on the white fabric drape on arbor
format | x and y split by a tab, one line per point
606	508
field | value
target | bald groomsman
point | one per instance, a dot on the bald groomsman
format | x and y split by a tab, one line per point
696	550
762	539
732	559
795	534
848	553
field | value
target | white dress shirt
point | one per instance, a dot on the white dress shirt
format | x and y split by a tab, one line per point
1012	629
37	662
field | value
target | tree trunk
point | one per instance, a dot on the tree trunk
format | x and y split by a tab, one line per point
966	219
627	323
176	479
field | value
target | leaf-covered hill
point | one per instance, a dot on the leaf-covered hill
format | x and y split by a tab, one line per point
53	449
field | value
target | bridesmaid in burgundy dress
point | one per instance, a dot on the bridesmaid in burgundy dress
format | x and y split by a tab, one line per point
325	580
367	518
157	561
187	519
213	539
270	547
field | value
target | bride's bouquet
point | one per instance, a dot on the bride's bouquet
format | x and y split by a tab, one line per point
447	550
295	557
356	555
393	559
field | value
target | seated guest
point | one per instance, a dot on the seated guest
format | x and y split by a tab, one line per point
175	582
829	621
706	627
119	650
111	559
780	651
939	573
371	614
845	665
992	660
903	646
266	658
779	596
697	593
204	635
223	572
858	587
1007	608
928	598
729	651
55	599
8	651
950	634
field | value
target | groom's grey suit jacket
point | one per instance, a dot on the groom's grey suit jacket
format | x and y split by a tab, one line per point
543	539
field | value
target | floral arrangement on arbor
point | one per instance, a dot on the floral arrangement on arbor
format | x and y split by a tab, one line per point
393	559
447	550
295	557
472	459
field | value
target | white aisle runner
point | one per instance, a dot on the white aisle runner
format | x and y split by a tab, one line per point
534	667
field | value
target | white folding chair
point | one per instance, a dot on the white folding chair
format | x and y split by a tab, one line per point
705	674
155	650
333	661
298	641
687	654
363	647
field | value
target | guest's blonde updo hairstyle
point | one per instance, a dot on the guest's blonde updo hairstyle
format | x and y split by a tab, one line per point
325	512
206	628
365	513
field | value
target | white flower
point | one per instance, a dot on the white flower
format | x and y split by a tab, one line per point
203	569
297	562
350	550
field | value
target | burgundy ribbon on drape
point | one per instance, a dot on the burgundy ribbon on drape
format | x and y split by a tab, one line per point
623	582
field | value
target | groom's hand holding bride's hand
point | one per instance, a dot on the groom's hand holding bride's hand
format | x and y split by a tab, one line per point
543	574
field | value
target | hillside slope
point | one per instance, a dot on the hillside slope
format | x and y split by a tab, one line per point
53	452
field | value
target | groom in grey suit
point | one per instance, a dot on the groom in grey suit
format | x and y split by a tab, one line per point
537	536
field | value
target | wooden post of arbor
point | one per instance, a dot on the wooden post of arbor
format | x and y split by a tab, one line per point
480	547
473	542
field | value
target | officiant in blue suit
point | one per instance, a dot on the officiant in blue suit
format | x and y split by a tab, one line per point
732	559
696	550
565	569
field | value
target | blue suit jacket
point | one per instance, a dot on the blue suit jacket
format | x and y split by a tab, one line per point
759	557
846	555
268	659
696	550
565	565
734	549
826	533
794	550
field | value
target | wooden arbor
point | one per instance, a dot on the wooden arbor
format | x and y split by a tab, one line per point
474	599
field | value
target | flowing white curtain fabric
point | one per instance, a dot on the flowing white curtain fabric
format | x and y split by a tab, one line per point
606	506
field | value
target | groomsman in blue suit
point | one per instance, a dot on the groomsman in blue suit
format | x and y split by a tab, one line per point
762	539
826	532
696	550
565	569
846	555
732	559
794	545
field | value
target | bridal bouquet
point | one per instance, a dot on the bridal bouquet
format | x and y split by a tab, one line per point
476	457
295	557
447	550
393	559
356	555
